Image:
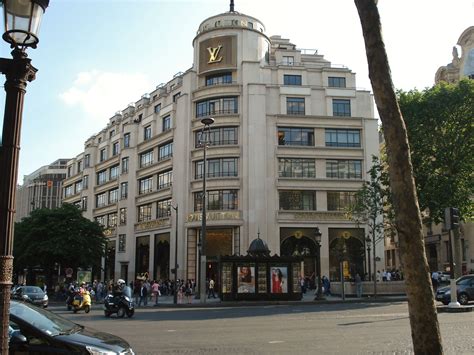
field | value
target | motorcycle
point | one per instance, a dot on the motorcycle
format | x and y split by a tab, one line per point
82	302
122	304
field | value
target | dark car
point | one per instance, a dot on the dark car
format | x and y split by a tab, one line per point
465	291
34	330
32	294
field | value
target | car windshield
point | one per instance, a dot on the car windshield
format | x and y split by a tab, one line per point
31	289
464	280
44	320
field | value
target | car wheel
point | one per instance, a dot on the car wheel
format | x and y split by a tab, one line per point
463	299
121	312
130	313
87	309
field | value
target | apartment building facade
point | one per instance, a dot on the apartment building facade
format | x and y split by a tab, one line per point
291	143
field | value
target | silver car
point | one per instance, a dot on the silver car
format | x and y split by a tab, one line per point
31	294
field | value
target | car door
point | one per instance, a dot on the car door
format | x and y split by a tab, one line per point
470	289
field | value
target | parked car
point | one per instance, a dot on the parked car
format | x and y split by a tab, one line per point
34	330
32	294
465	291
444	276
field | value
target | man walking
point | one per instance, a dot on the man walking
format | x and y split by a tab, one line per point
358	282
143	295
211	289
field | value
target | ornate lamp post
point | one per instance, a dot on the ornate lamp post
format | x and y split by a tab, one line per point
368	242
205	140
317	238
22	20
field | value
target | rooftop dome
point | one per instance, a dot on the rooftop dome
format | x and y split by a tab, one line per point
258	247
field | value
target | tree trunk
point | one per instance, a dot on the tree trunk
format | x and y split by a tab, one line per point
423	318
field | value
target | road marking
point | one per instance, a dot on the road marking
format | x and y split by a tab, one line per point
275	342
171	330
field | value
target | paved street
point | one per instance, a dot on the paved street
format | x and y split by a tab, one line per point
355	328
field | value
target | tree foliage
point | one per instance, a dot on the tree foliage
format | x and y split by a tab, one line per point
440	129
60	235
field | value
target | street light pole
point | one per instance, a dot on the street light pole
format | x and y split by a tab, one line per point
317	238
176	266
368	242
375	260
22	20
203	264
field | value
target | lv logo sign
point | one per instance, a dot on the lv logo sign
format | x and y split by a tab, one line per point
214	54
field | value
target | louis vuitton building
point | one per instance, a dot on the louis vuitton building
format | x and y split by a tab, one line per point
291	142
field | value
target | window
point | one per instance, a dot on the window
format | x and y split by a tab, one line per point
295	105
217	200
145	185
122	243
342	138
296	168
288	60
85	181
296	136
102	155
157	108
79	166
219	79
165	151
175	96
114	172
297	200
165	179
113	196
291	79
219	136
101	199
166	123
115	148
78	187
163	208
125	165
340	200
123	190
344	169
102	220
217	168
84	203
101	177
126	140
68	191
112	220
111	133
146	158
147	133
123	216
223	105
336	82
69	169
144	213
87	160
341	107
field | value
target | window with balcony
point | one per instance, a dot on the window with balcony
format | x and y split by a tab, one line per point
114	172
146	158
163	208
295	106
292	80
344	169
123	190
78	187
68	191
101	177
144	213
219	136
147	133
219	79
341	107
101	200
166	123
112	220
340	200
296	168
336	82
126	140
343	138
217	200
296	136
113	196
102	220
300	200
165	151
222	167
217	106
165	179
145	185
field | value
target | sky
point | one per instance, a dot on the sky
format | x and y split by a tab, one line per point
97	56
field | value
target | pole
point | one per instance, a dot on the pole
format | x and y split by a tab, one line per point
18	72
375	260
368	262
175	293
343	291
318	271
452	282
202	271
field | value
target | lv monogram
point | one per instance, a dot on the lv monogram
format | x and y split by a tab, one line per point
214	54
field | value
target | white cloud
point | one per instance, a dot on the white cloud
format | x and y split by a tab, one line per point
101	94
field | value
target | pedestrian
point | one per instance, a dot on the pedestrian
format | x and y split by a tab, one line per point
435	280
358	282
326	286
188	292
211	289
155	289
143	295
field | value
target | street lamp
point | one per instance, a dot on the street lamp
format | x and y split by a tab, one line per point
368	242
176	266
317	238
204	140
22	19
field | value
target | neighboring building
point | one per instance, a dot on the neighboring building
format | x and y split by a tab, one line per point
290	145
460	66
41	189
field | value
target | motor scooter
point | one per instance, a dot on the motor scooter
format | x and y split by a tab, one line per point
122	304
82	302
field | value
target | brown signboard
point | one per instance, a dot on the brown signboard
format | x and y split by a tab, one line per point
218	53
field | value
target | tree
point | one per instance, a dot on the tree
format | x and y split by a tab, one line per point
60	235
422	311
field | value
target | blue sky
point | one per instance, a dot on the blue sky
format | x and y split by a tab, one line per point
96	56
